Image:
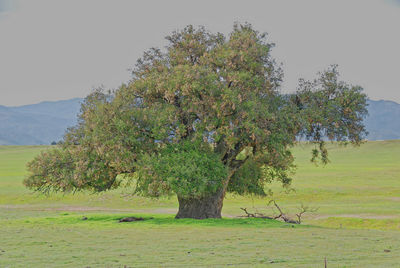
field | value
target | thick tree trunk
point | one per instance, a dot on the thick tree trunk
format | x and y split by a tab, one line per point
204	208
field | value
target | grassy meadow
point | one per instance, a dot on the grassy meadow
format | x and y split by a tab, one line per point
357	223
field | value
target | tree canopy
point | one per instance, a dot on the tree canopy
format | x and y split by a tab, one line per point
202	117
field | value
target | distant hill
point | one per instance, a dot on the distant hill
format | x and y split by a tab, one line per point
383	122
46	122
40	123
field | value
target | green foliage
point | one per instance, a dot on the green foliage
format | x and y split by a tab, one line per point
330	109
223	91
248	180
186	169
64	170
51	168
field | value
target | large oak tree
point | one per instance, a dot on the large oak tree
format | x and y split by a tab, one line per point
203	117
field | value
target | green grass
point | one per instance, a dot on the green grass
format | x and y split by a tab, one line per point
107	220
357	223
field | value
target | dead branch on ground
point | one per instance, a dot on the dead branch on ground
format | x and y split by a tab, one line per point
286	218
255	215
304	209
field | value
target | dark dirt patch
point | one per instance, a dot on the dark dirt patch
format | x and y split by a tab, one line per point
131	219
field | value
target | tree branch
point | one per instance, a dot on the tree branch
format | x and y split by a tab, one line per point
282	215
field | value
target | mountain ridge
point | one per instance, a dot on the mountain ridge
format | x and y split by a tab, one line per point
47	121
40	123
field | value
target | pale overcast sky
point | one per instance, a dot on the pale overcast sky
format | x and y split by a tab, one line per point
52	49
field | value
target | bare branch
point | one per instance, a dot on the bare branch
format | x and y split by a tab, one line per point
282	215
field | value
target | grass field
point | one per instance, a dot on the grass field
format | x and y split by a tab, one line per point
357	223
